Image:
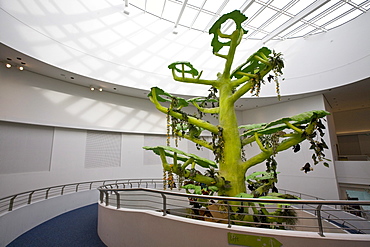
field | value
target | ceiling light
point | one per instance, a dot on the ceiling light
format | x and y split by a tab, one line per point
92	88
8	65
100	89
21	68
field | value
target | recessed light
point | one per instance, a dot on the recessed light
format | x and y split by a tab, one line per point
19	58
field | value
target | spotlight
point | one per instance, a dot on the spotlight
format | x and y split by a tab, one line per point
100	89
92	88
21	68
8	65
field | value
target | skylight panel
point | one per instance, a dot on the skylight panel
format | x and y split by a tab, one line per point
265	15
333	14
358	2
281	3
213	5
344	19
366	6
155	7
286	33
202	21
299	6
171	11
251	11
276	23
196	3
257	35
188	16
233	5
138	3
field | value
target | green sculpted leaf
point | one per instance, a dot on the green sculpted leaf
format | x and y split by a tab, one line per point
185	67
158	93
252	65
183	156
307	116
278	125
261	176
238	18
197	189
180	102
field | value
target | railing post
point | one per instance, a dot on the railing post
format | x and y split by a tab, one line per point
30	197
47	193
228	215
62	190
118	200
77	187
164	204
11	203
101	196
106	198
319	220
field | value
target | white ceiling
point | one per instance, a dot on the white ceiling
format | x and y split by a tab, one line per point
348	97
268	20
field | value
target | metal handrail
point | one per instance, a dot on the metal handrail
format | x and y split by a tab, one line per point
8	203
104	194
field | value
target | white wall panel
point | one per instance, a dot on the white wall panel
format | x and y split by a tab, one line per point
25	148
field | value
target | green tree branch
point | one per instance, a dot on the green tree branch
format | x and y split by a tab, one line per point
194	139
214	110
196	80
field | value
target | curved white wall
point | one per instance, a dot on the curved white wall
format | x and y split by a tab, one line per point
125	227
99	41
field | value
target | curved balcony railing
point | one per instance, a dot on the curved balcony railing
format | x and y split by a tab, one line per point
12	202
340	216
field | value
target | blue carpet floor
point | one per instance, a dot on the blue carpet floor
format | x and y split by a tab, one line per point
77	228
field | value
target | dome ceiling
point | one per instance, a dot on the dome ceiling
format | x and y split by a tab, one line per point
127	45
267	19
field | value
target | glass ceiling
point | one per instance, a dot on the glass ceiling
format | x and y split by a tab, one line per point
267	19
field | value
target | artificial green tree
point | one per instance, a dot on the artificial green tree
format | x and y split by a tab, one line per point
228	172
